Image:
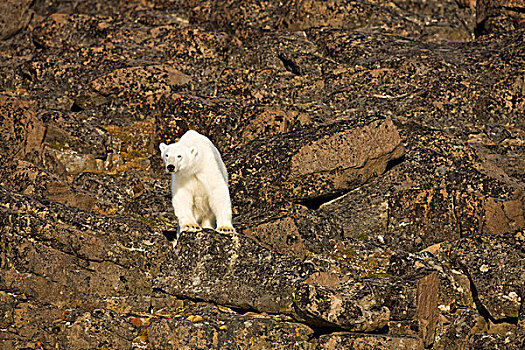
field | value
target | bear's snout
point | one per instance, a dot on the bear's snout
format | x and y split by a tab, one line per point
170	167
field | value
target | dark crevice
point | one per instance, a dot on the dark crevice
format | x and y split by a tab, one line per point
327	330
76	108
156	291
323	330
475	296
290	65
383	330
319	326
479	30
514	9
238	309
509	320
319	329
243	310
315	203
27	76
394	162
170	235
38	44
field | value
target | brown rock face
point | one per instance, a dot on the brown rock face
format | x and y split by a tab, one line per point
15	16
352	157
427	303
376	153
505	216
22	132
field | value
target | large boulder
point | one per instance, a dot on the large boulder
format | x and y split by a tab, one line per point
307	165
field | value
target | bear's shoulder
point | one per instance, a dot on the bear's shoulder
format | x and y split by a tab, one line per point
209	157
193	138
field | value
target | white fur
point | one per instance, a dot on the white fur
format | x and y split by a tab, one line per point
199	183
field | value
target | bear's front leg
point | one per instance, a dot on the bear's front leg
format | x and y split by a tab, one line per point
220	205
182	204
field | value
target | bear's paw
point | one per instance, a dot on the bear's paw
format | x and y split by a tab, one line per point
226	229
191	228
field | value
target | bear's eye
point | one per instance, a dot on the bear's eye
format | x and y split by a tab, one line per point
179	156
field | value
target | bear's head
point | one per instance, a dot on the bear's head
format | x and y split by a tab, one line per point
178	158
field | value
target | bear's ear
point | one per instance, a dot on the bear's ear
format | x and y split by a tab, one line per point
162	147
193	151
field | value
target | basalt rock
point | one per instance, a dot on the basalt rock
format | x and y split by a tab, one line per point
230	270
416	206
93	268
51	250
376	160
26	178
209	266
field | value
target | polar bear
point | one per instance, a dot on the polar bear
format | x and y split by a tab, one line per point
199	184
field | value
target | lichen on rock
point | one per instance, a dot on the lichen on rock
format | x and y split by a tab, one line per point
376	167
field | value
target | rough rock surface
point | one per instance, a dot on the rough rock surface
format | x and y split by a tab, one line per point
376	152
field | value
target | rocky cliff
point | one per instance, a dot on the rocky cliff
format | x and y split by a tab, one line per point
376	152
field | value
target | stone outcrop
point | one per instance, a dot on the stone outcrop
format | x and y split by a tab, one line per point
304	166
376	154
